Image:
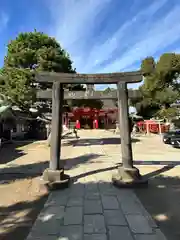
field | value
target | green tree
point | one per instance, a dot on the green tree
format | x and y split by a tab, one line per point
168	70
26	51
148	105
148	66
17	84
29	50
37	48
163	74
168	113
160	87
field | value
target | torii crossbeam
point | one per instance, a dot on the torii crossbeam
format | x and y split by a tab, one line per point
74	95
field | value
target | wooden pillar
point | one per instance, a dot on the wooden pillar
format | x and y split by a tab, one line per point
126	148
57	113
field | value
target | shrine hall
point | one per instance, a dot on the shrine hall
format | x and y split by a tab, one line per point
86	117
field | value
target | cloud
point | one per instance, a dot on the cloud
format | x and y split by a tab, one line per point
103	51
75	24
74	21
106	36
161	34
4	19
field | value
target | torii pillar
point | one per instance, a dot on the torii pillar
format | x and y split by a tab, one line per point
127	175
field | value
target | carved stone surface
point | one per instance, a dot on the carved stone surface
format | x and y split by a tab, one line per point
128	77
68	95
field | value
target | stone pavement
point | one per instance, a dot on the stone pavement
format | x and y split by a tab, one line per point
92	208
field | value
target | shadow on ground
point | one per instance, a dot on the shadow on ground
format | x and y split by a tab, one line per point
94	141
155	162
36	169
14	227
10	152
168	165
71	163
161	199
18	172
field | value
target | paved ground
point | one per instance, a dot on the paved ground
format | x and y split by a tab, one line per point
91	161
92	209
21	198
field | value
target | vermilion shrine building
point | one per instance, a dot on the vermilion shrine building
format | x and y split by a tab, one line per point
91	118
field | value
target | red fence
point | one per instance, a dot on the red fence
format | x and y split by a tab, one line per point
153	127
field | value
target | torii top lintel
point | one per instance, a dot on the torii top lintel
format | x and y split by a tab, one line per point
122	77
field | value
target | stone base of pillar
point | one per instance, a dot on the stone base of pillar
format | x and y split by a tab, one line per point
129	178
55	179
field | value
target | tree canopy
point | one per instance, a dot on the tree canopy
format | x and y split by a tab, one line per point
163	73
28	51
40	49
161	86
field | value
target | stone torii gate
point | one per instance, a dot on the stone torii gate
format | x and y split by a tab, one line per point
127	174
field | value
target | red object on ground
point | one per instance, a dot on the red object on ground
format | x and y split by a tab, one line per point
96	125
78	124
